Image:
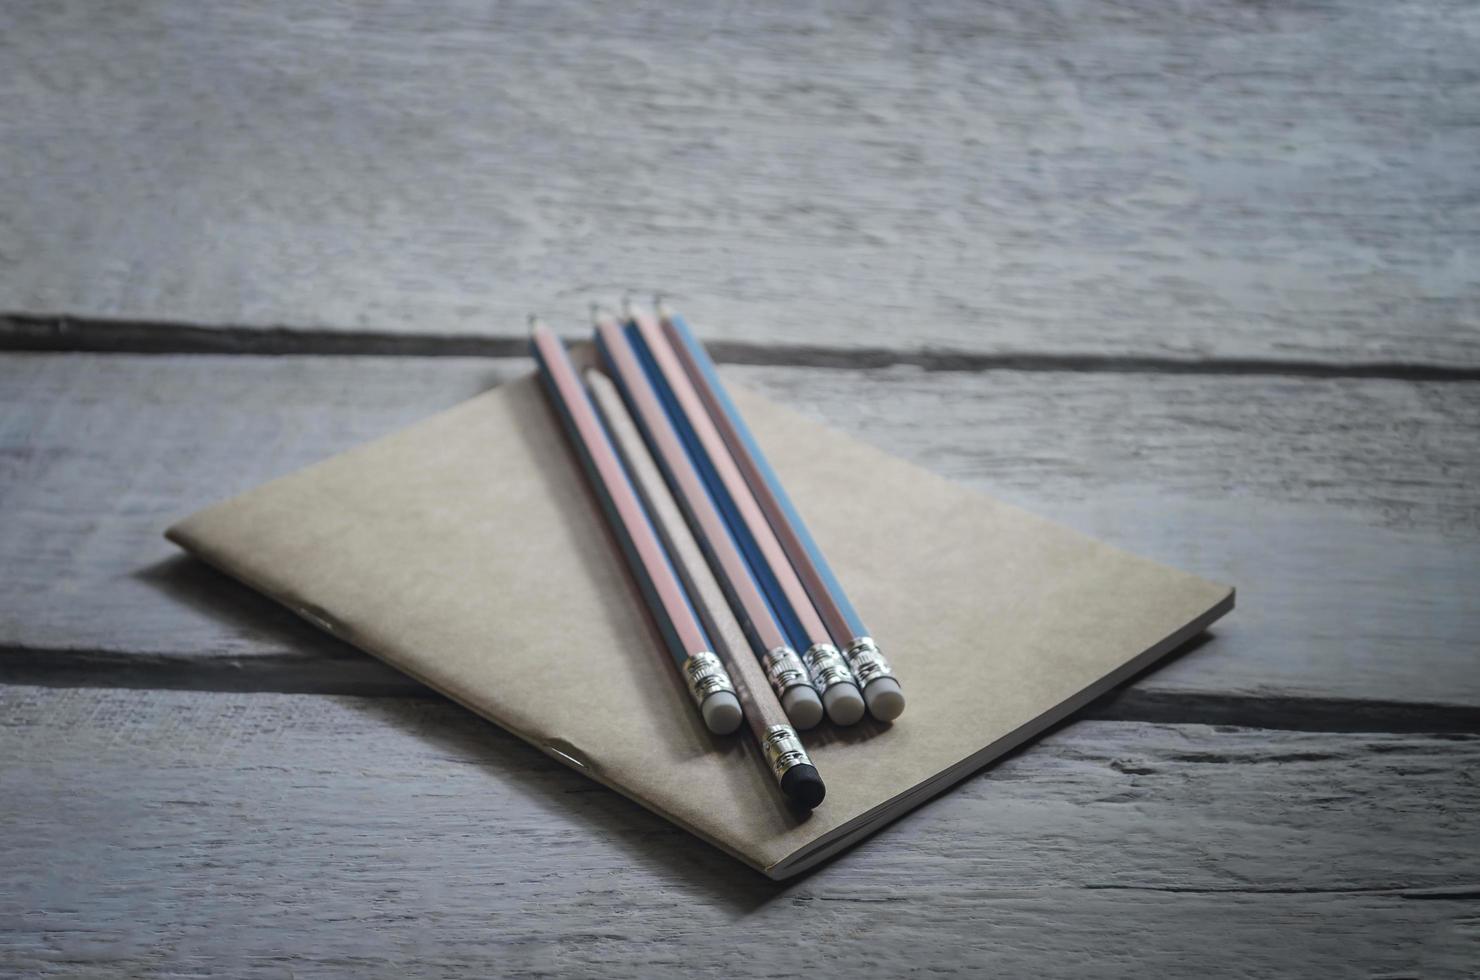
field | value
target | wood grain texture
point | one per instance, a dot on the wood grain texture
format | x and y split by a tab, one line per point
1142	177
1342	510
267	835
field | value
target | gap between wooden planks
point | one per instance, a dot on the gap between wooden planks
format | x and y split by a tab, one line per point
57	333
1340	508
1140	179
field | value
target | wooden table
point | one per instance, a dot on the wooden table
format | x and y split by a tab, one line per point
1202	279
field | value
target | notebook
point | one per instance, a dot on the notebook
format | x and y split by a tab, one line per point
469	551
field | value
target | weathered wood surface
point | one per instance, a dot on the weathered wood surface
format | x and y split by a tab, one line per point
1242	191
1323	501
268	835
1199	179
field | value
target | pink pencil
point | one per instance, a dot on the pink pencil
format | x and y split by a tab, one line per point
708	681
783	668
881	689
777	739
830	672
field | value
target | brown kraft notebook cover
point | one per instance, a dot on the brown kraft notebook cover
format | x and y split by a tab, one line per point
469	552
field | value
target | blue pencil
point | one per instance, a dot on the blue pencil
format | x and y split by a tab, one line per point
881	689
772	646
831	674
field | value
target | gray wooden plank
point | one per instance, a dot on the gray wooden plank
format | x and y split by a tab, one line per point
270	835
1385	452
1229	180
1338	508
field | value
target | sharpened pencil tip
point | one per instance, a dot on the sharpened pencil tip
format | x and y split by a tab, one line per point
629	308
600	315
535	322
665	312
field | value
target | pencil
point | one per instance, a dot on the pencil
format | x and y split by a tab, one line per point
708	682
784	669
881	689
768	560
782	749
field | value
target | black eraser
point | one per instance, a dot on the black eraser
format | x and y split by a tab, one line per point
803	786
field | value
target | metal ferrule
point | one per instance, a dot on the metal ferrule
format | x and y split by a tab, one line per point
784	670
783	749
827	666
706	676
867	662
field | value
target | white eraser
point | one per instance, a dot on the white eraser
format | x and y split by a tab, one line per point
803	707
722	714
844	704
885	698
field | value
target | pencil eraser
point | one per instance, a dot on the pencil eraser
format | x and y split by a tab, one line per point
885	698
803	786
844	704
722	714
803	707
